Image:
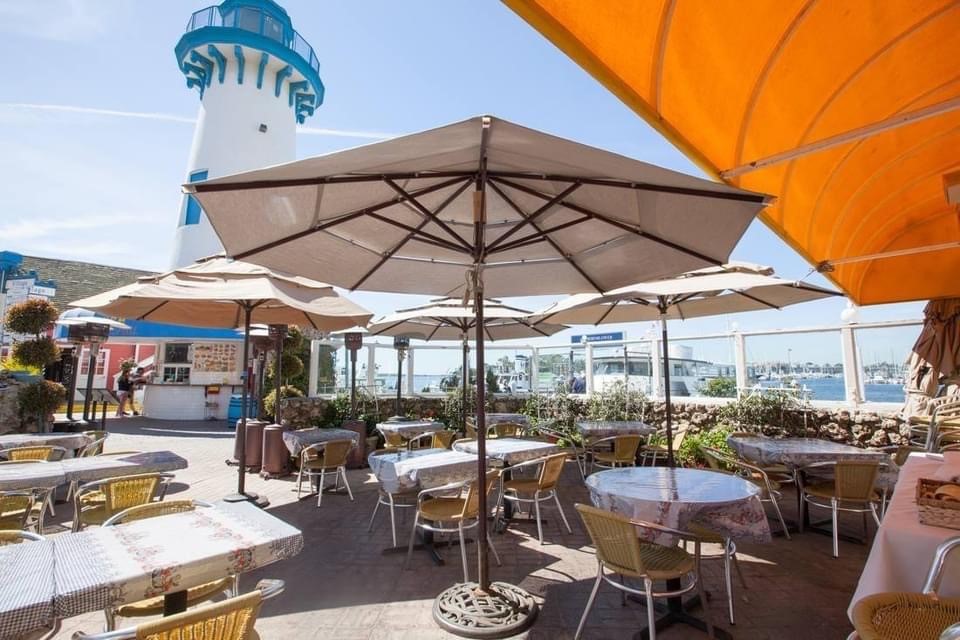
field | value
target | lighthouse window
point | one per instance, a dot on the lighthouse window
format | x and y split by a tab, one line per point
192	215
272	28
249	20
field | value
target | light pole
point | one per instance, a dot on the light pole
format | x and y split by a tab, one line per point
401	344
789	362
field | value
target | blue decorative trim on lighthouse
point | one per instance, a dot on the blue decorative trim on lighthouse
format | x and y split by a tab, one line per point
204	62
296	88
264	58
238	53
221	61
282	74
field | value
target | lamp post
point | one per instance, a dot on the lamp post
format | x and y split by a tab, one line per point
353	341
278	332
401	344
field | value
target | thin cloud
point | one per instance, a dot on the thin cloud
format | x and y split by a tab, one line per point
171	117
29	228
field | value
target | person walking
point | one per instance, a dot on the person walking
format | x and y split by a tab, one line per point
124	392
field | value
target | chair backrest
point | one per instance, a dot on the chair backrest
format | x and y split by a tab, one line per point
34	453
615	539
95	448
550	471
713	458
470	428
625	447
393	439
335	452
10	536
471	505
678	437
854	480
442	439
15	508
231	619
506	429
153	510
130	491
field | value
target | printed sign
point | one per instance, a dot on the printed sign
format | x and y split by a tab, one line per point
613	336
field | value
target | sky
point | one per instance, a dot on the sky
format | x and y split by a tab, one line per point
96	126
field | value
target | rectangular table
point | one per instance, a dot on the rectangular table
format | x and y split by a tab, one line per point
422	468
297	441
69	441
609	428
903	548
410	429
51	474
798	452
26	587
110	566
510	450
498	418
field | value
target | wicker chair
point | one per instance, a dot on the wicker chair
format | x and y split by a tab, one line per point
437	506
620	552
852	489
94	448
909	616
15	509
393	441
543	487
42	453
231	619
13	536
96	502
154	606
442	439
612	452
43	497
393	501
769	488
506	430
470	428
654	452
321	458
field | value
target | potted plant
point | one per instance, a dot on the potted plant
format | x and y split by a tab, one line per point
34	318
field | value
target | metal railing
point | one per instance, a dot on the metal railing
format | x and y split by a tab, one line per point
256	21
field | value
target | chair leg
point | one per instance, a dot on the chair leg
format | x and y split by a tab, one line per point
706	609
873	510
835	517
320	486
393	524
651	612
111	620
463	552
343	474
413	535
783	523
593	596
373	517
563	516
728	581
496	556
736	565
299	479
536	508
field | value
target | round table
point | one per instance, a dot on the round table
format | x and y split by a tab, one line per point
724	503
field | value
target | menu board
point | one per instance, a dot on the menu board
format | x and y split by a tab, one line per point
214	357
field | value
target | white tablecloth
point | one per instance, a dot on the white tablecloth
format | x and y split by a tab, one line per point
297	440
410	429
422	468
26	587
51	474
68	441
510	450
903	548
610	428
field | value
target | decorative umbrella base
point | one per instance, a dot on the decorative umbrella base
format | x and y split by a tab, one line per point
254	498
503	611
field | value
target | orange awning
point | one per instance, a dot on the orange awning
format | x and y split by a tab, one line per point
847	111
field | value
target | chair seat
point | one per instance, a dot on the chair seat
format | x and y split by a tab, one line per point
195	595
442	509
11	519
705	534
828	490
317	465
664	563
522	485
93	497
654	448
604	456
95	514
904	616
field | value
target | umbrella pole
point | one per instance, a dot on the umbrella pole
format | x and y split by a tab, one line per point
277	380
465	380
244	409
484	571
667	409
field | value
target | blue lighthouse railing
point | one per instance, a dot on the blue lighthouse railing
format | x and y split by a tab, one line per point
256	21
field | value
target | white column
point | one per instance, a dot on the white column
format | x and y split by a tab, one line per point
411	387
534	370
740	361
372	366
657	366
851	366
314	383
588	365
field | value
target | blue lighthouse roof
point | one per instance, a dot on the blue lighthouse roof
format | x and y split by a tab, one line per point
244	34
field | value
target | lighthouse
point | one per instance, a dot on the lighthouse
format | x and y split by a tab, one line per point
257	78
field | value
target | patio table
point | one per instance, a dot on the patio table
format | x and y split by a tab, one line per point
26	588
110	566
726	504
69	441
608	428
31	475
410	429
47	475
298	440
498	418
509	450
422	468
903	548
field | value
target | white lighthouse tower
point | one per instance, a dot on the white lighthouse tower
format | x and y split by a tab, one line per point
257	78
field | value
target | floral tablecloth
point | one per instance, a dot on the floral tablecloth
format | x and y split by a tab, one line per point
410	429
26	587
509	450
497	418
296	441
610	428
798	452
723	503
51	474
68	441
109	566
422	468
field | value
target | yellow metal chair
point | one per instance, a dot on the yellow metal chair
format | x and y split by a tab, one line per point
154	606
470	428
42	453
13	536
622	554
321	458
95	447
769	488
43	498
655	452
393	441
231	619
96	502
851	489
450	504
393	501
612	452
543	487
15	509
506	430
910	616
442	439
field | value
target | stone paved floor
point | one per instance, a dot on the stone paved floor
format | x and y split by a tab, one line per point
342	587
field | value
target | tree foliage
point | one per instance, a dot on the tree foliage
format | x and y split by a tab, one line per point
32	316
720	387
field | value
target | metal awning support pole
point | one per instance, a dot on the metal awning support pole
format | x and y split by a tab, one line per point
94	350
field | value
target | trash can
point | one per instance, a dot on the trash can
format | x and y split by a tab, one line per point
276	456
254	444
358	457
235	409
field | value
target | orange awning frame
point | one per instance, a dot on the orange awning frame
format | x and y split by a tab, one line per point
847	112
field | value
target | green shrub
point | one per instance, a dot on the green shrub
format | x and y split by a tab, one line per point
286	391
772	408
691	449
720	388
31	316
40	399
36	353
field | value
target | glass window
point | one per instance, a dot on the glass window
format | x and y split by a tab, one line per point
176	353
272	28
176	374
192	214
249	19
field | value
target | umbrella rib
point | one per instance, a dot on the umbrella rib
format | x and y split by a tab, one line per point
534	238
310	320
385	329
548	239
530	326
144	316
305	182
616	223
607	312
431	215
533	216
756	299
423	236
339	220
400	244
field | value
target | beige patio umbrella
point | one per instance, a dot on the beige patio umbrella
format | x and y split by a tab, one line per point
731	288
219	292
454	319
936	353
479	207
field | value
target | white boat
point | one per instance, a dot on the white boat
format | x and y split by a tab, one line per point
688	375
